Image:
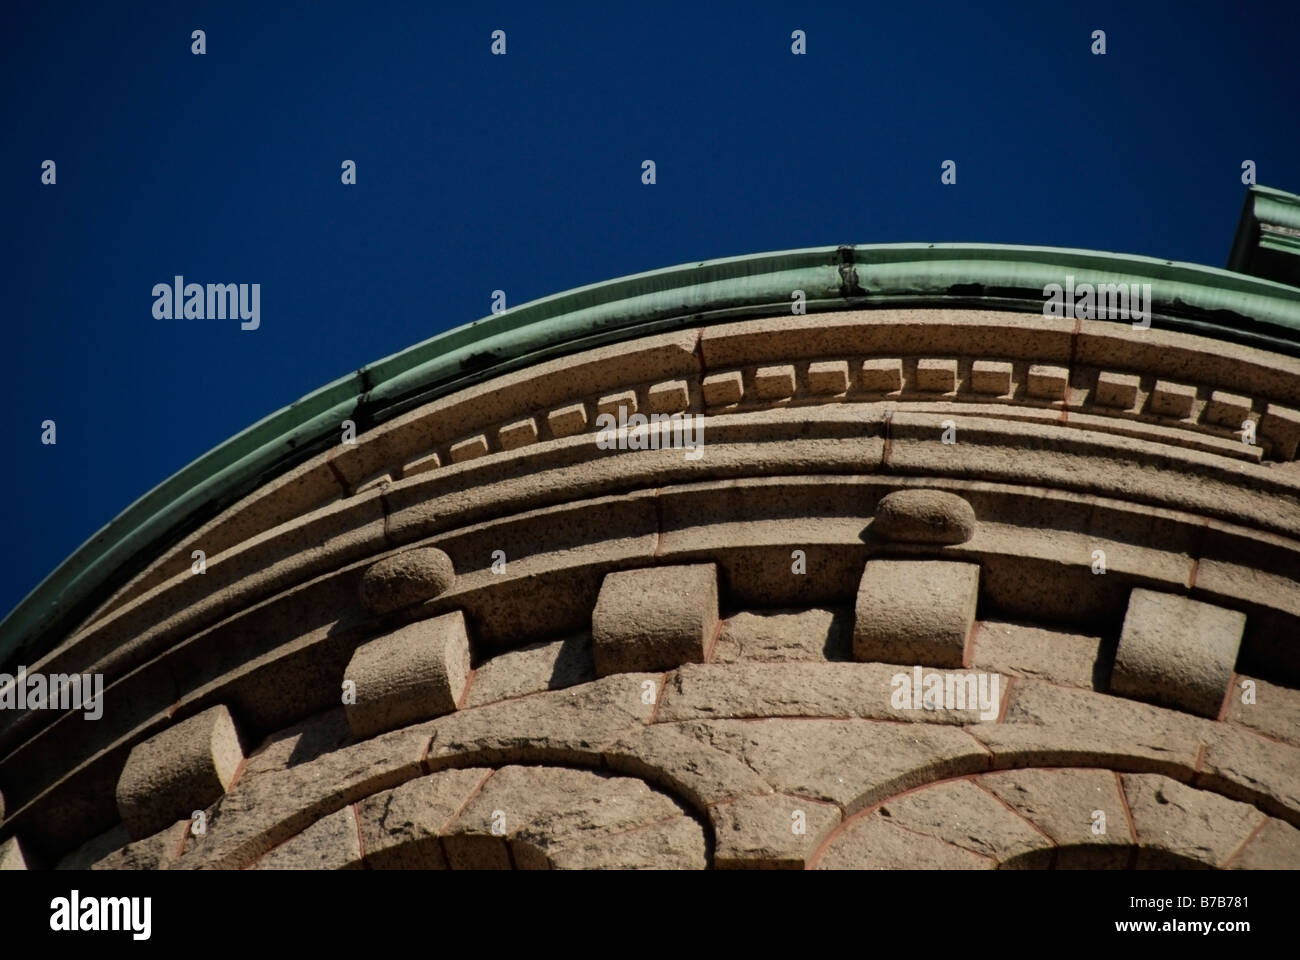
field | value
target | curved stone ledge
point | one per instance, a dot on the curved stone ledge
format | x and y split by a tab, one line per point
683	524
992	450
651	362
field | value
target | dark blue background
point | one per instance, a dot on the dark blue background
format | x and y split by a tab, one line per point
522	172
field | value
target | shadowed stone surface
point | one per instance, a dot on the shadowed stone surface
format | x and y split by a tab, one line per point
777	635
541	666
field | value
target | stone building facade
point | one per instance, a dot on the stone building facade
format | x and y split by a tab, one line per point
906	575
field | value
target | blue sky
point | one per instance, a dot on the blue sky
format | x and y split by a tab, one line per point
523	172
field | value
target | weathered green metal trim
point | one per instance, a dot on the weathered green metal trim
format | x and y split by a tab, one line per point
1198	299
1267	241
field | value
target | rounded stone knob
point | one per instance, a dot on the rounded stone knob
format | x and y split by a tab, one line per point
924	516
406	578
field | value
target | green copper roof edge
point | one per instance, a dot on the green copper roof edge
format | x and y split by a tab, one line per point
1262	210
1205	300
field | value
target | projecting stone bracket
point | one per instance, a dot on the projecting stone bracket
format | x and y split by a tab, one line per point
654	619
1176	652
915	612
185	768
417	672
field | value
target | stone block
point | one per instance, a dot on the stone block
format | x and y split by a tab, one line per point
611	403
774	383
430	461
11	855
915	612
184	768
1047	382
960	813
1171	399
1062	804
1176	652
1281	426
757	832
723	389
1227	409
671	396
936	376
875	843
331	843
400	827
773	635
655	618
406	578
991	377
1275	847
882	376
518	434
1117	390
568	421
923	516
542	666
1176	823
471	449
828	377
414	673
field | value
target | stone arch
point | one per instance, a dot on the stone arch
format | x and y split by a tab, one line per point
1060	817
512	817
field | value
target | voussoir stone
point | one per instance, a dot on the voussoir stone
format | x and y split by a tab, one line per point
924	516
1175	820
1275	847
875	843
331	843
556	818
1070	807
400	828
770	831
406	578
960	813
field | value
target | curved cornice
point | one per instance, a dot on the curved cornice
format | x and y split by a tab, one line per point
1187	297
